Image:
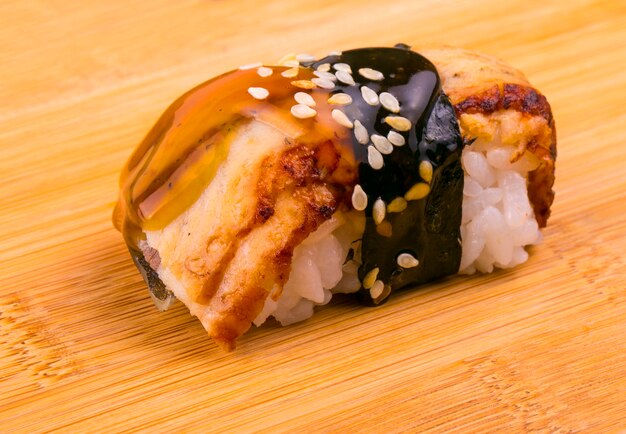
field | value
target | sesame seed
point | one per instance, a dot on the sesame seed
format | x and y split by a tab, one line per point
293	63
370	278
304	98
302	111
369	95
305	58
250	66
264	71
258	92
384	229
359	198
360	132
390	102
340	99
304	84
371	74
325	75
323	83
399	204
324	67
375	158
398	122
417	192
290	73
343	67
341	118
345	77
335	53
377	289
381	143
285	58
396	139
406	260
426	170
378	211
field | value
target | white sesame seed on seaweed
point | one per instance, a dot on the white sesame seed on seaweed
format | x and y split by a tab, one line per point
342	67
396	139
340	99
324	67
399	204
345	77
377	289
323	83
374	158
384	229
325	75
371	74
390	102
426	170
369	96
398	123
360	133
381	143
406	260
359	198
370	278
417	192
379	211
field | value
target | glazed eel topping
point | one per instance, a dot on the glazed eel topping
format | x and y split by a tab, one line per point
383	109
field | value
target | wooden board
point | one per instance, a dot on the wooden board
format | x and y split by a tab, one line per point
538	348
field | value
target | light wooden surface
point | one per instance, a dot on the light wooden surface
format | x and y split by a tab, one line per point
539	348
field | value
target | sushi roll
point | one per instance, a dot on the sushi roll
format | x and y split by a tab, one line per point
266	190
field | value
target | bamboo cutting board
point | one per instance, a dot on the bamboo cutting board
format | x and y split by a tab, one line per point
541	348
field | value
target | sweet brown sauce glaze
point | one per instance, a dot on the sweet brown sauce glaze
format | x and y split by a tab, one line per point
181	154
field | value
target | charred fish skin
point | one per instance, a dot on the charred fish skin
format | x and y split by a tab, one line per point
414	183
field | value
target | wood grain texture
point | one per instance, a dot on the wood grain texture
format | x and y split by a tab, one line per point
538	348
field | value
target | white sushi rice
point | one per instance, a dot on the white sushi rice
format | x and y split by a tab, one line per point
497	223
497	219
318	270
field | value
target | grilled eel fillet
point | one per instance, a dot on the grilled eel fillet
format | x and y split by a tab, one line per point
232	249
491	98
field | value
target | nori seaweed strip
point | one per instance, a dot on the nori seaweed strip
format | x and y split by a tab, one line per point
429	228
155	284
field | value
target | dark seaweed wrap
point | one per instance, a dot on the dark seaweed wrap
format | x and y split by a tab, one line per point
429	228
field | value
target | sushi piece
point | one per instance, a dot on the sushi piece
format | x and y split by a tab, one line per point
268	189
